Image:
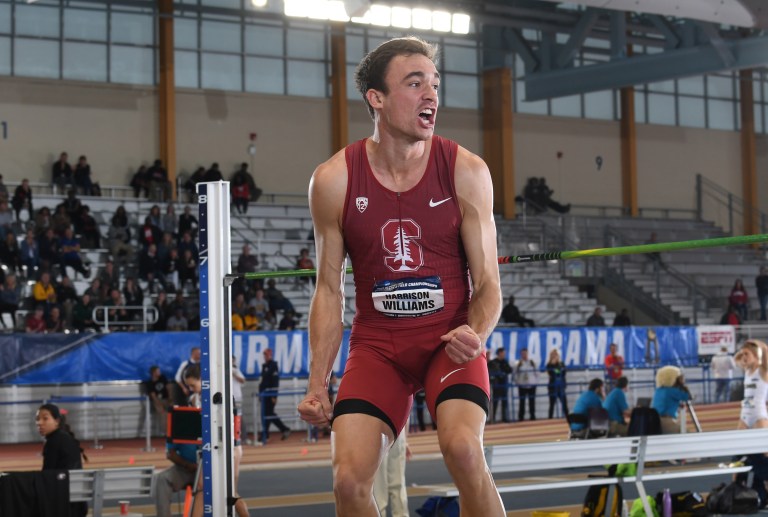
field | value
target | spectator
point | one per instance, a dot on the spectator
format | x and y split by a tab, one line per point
248	263
149	233
654	258
498	373
43	221
22	200
83	176
670	392
251	320
169	221
761	282
177	322
66	296
546	198
592	398
288	321
532	196
30	253
3	189
622	319
70	254
60	220
191	184
158	181
304	262
269	322
187	268
525	378
89	229
213	174
270	382
109	276
156	388
54	323
10	254
6	218
596	320
181	388
43	288
62	172
277	301
614	366
149	265
722	365
99	292
238	322
82	314
132	294
155	216
238	305
241	194
187	222
618	409
556	384
169	269
140	182
731	317
739	299
117	314
254	191
10	297
119	235
188	243
35	323
389	485
511	314
73	206
260	304
163	311
164	248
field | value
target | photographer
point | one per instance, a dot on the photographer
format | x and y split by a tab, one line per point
670	392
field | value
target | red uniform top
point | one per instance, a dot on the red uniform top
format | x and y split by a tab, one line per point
407	255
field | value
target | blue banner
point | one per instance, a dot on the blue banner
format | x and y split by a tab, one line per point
128	356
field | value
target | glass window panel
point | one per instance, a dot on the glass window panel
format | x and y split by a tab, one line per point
536	107
85	61
132	65
306	44
37	20
692	111
720	114
599	105
640	116
355	48
185	33
461	91
137	29
220	36
758	110
375	41
221	72
87	25
662	86
233	4
264	75
661	109
306	78
765	118
266	41
352	92
5	18
691	85
765	91
719	86
185	69
460	59
757	90
567	106
36	58
5	56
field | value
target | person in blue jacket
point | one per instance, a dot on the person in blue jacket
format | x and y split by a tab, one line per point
593	397
671	391
618	409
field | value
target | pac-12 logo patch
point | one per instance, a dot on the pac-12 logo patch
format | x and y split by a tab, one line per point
361	203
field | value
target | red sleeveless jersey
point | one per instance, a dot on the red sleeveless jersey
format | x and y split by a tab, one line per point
410	268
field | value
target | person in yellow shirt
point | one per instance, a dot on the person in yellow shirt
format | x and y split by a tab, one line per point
237	322
250	320
43	288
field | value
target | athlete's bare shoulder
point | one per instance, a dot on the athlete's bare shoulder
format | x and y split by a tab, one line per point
471	176
328	186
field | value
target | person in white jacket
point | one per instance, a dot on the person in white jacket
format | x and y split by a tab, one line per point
722	366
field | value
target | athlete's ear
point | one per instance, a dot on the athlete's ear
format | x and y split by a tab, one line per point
374	98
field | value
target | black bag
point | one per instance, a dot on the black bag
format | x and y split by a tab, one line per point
732	498
597	500
644	421
759	473
685	504
439	507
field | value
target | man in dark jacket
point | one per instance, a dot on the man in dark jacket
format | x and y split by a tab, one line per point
498	372
270	382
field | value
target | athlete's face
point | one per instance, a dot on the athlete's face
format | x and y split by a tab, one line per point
747	358
410	107
195	385
45	422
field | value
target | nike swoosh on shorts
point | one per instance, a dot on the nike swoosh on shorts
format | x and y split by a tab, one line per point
433	204
450	373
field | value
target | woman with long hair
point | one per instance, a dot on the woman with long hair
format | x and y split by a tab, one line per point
61	451
753	359
739	299
556	385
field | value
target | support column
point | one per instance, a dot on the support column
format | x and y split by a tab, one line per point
498	149
748	152
166	101
339	117
628	153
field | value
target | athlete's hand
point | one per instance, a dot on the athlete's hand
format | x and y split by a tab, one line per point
316	407
462	344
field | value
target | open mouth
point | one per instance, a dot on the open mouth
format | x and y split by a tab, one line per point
427	115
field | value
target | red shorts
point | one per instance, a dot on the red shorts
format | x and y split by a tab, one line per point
386	367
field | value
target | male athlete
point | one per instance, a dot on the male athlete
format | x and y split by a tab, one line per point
414	213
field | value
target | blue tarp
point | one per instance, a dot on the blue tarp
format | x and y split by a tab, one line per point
28	359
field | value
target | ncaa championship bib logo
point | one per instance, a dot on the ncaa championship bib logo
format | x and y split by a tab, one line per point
361	203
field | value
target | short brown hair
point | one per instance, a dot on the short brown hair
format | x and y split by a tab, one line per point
372	69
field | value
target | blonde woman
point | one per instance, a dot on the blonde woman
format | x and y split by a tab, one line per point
671	391
753	358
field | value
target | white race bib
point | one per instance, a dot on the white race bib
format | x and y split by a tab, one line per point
408	297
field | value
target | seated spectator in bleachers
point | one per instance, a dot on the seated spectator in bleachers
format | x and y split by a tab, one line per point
88	229
622	319
618	409
247	263
739	299
98	292
596	319
260	303
187	268
48	249
60	220
251	321
241	194
82	176
188	222
3	190
140	182
213	174
120	246
158	181
238	322
165	246
163	308
42	289
731	317
149	234
546	198
593	397
169	222
6	218
22	200
276	298
190	185
109	276
70	254
30	253
188	243
10	297
288	321
53	322
61	174
73	206
155	216
169	267
132	294
66	295
10	254
82	314
511	314
117	313
149	265
269	322
304	262
35	322
177	321
239	306
43	220
254	191
532	196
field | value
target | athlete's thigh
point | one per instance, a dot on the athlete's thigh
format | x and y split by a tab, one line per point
446	380
358	444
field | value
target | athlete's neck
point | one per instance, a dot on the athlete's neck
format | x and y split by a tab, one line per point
397	160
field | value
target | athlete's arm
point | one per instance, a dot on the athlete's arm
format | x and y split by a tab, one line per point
478	234
327	192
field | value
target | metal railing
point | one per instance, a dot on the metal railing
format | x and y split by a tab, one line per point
149	316
716	203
